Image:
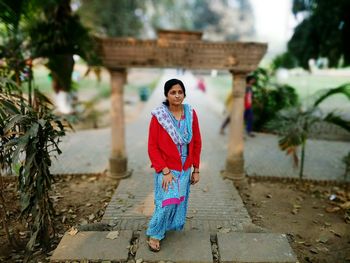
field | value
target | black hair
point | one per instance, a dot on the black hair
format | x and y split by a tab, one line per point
169	84
249	78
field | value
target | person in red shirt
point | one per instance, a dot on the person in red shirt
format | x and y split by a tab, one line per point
248	105
201	85
248	109
174	147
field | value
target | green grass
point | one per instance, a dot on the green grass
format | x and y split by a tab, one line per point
221	85
43	83
310	84
305	86
41	80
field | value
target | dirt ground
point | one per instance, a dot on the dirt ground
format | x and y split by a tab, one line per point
319	228
77	200
299	210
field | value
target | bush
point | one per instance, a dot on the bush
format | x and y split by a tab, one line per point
285	60
269	98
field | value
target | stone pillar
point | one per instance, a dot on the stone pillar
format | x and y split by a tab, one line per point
235	162
118	160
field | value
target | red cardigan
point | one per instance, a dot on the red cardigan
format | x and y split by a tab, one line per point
163	152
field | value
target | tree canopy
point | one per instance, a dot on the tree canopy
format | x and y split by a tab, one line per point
323	32
222	19
43	29
112	18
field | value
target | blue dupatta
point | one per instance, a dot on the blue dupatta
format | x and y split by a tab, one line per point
168	122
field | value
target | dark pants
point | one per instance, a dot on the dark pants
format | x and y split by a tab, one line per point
224	124
248	118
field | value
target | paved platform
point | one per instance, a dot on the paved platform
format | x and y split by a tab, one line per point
187	246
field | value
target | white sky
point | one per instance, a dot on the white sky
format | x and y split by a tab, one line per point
274	23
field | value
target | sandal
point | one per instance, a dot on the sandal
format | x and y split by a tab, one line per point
152	248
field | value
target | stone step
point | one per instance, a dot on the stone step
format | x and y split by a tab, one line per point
94	246
186	246
255	248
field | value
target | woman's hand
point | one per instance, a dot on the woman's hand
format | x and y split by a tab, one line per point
167	179
195	177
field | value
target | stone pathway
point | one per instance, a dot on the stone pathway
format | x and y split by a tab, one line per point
213	202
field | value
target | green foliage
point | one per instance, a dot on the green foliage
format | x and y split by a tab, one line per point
324	94
324	32
294	124
337	120
29	131
285	60
61	68
58	31
6	87
269	98
112	18
12	58
58	35
172	14
141	18
11	12
204	16
29	138
47	29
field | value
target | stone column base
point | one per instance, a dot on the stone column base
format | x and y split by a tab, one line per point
118	167
234	169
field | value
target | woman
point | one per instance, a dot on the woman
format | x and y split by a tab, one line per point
174	146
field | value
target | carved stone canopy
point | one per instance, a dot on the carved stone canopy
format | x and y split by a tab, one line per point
180	49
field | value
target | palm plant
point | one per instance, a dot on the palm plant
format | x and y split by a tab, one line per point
30	134
29	131
294	124
6	86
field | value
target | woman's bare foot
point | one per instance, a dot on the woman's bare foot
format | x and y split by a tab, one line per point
154	244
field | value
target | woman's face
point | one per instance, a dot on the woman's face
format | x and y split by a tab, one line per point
175	95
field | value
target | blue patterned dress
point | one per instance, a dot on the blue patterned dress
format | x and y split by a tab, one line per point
171	206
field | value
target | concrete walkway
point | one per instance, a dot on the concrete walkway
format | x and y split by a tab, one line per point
213	202
323	159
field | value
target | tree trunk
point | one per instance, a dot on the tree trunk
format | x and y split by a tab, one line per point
302	160
61	67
